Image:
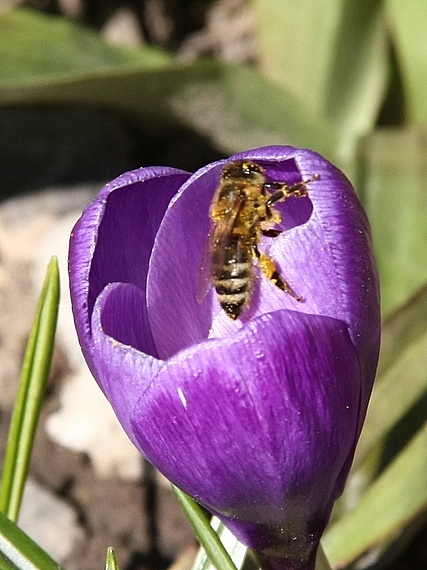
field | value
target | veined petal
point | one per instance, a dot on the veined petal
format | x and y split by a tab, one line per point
248	425
113	239
257	418
123	371
325	255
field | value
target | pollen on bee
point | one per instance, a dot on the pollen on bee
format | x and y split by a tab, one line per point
242	211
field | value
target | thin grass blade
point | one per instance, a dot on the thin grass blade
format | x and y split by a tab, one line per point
35	371
111	562
395	499
19	552
208	538
235	549
403	355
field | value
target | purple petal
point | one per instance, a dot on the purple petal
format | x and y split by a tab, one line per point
255	418
249	425
176	318
113	239
327	259
122	370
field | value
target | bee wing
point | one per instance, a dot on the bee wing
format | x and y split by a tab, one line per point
215	247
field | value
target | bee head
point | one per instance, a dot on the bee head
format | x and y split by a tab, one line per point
243	170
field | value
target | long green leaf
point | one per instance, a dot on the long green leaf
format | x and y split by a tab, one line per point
402	328
296	42
233	105
19	552
205	533
226	103
32	385
394	195
407	22
34	46
403	356
236	549
391	502
332	54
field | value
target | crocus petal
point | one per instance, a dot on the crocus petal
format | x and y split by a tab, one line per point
123	371
112	242
251	421
256	418
327	259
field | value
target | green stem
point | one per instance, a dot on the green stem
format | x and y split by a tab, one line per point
35	372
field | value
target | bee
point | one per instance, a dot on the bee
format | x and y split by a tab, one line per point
243	211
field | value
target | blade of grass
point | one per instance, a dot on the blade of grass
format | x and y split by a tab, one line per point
332	55
395	499
111	562
19	552
204	532
395	394
402	328
236	549
31	390
403	355
407	21
393	190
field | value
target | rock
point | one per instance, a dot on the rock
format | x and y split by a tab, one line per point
49	521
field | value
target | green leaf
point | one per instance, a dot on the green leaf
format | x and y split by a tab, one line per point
226	103
332	55
208	538
111	562
402	328
67	64
407	22
394	195
322	563
31	390
403	355
392	501
235	549
240	109
19	552
34	46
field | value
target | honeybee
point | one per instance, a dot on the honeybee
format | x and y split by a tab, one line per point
243	211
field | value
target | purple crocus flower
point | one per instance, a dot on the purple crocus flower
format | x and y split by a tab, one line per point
256	418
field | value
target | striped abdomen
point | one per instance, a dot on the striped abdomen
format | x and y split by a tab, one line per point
233	277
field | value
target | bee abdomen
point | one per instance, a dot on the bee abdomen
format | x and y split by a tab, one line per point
233	287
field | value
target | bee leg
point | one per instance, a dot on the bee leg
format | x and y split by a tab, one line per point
268	267
271	233
283	191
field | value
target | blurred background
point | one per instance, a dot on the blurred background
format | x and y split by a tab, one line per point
92	88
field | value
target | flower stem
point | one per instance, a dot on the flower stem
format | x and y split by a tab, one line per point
318	562
273	563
